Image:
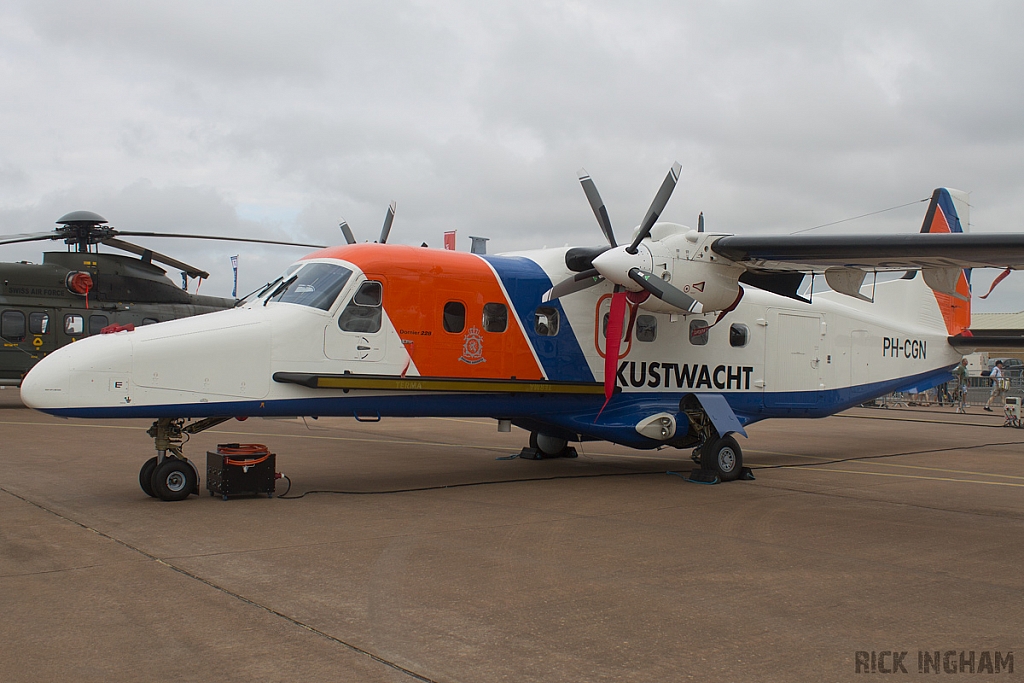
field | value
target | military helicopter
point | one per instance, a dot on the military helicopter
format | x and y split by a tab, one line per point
80	292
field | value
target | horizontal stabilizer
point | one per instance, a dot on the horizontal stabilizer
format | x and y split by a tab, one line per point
987	340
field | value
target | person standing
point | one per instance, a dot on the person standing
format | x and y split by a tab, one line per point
999	384
959	398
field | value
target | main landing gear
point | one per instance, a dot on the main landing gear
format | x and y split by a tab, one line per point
543	447
169	475
719	458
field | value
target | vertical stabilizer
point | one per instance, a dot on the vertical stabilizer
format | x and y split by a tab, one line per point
949	211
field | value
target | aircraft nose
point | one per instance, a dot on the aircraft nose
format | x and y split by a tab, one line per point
47	386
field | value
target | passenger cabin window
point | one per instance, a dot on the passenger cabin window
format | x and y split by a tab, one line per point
97	323
495	317
454	316
738	335
646	328
316	285
39	323
545	321
12	326
363	313
698	332
74	324
604	326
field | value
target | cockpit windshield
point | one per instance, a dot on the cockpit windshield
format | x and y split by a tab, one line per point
315	284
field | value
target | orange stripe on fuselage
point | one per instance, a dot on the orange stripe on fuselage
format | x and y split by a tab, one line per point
418	282
956	313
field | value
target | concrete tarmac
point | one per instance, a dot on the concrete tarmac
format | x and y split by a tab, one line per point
875	530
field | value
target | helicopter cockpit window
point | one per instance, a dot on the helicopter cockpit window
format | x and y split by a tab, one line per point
12	326
39	323
74	324
315	284
363	313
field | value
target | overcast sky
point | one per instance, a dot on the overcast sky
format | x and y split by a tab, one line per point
275	120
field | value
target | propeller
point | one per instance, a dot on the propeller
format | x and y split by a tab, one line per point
662	289
657	206
347	232
388	220
597	204
582	259
576	283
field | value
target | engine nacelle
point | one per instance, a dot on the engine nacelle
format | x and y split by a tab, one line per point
714	285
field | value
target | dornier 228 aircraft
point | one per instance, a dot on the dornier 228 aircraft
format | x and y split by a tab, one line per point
680	338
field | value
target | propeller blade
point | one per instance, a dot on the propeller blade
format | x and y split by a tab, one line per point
347	232
570	285
29	237
135	233
700	222
657	206
597	204
191	271
388	220
661	289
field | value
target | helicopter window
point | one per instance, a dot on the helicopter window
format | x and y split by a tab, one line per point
646	328
545	321
495	317
74	324
12	326
149	321
316	285
454	316
363	313
39	323
738	335
699	332
97	323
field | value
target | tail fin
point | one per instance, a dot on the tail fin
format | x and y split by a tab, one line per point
949	211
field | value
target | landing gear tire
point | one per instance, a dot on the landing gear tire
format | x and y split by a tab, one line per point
550	446
146	477
174	479
723	457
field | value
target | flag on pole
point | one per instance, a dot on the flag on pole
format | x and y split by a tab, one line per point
234	267
449	240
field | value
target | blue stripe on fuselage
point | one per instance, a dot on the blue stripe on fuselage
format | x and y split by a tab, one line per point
526	282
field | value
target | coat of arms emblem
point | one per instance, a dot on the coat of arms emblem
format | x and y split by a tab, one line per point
473	347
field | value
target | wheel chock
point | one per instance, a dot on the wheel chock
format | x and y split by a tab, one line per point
747	474
706	477
537	454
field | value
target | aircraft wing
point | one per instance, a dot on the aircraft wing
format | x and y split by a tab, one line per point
908	251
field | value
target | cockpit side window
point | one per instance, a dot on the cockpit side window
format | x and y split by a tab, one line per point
315	284
363	313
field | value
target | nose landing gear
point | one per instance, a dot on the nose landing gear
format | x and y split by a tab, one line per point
170	475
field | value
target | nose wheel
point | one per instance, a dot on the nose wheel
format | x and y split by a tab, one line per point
170	475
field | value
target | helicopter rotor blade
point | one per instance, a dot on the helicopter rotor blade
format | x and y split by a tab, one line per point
347	232
191	271
29	237
136	233
597	204
388	220
657	206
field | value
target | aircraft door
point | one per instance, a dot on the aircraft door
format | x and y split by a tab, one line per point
794	362
357	332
